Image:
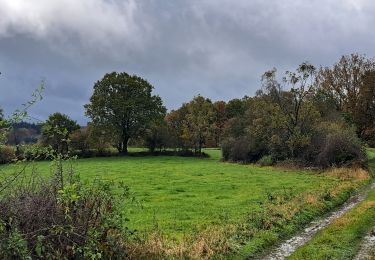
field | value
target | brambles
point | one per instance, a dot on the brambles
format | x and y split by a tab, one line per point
59	216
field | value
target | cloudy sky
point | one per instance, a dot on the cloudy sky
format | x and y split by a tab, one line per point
216	48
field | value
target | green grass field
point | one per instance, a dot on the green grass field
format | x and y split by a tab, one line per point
182	195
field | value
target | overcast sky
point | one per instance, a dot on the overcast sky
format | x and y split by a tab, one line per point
216	48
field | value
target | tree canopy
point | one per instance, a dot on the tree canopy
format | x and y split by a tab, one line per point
199	121
56	131
350	82
125	104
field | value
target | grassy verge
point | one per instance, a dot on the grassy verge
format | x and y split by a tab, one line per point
286	217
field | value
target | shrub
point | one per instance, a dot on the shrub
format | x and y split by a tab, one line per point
80	139
266	161
89	153
33	152
60	217
156	138
243	149
7	154
335	144
341	149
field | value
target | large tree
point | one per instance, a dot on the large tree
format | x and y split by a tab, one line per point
56	131
125	104
236	107
175	121
198	124
295	114
351	83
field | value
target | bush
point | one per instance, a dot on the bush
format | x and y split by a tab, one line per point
242	149
341	149
266	161
335	144
332	144
156	138
89	153
7	154
60	217
33	152
182	153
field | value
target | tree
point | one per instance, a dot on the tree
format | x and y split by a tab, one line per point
124	104
56	131
297	114
236	107
3	132
157	137
89	138
198	122
18	135
219	121
24	132
365	113
80	139
351	82
175	121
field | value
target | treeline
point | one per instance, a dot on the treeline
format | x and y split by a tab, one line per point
317	117
314	116
24	133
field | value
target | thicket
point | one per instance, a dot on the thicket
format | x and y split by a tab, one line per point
298	123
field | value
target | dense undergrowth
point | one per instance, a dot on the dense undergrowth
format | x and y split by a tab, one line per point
60	217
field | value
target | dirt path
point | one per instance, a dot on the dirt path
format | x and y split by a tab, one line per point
367	250
289	246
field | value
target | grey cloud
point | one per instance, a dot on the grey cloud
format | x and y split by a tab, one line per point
218	48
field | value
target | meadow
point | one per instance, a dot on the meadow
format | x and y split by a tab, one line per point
204	207
181	195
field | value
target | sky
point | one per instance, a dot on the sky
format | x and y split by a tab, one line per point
215	48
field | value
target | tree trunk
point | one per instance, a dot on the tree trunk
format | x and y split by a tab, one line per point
119	147
200	147
200	144
125	141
